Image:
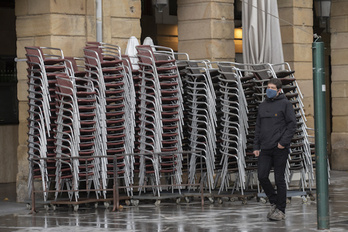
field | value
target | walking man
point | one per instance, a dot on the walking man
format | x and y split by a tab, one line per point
275	127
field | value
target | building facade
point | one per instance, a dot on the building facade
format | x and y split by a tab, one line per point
202	28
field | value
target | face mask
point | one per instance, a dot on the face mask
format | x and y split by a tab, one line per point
271	93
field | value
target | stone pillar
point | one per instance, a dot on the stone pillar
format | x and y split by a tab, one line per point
121	20
206	29
296	24
339	85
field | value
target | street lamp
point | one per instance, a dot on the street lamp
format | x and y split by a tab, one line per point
322	11
322	8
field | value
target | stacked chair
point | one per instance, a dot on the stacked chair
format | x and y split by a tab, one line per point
43	64
102	119
160	116
234	124
116	95
201	113
247	81
76	136
300	156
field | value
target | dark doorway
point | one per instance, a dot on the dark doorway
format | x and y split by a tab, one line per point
160	25
8	74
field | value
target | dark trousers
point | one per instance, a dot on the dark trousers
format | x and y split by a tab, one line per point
277	158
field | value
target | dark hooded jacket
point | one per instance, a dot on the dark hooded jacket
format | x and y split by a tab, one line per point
276	123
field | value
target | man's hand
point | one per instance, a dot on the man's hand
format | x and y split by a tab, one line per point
256	153
280	146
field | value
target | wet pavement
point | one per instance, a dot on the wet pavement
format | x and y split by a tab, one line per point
170	216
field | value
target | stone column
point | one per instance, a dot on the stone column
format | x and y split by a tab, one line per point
206	29
296	24
121	20
339	85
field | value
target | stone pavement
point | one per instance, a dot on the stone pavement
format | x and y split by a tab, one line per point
169	216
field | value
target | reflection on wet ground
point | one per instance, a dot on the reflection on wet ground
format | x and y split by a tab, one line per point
169	216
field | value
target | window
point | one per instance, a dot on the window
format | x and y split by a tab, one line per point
8	91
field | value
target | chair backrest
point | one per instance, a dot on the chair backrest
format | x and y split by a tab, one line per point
71	64
126	62
35	53
64	84
194	67
96	48
106	51
262	74
228	72
145	54
93	54
93	43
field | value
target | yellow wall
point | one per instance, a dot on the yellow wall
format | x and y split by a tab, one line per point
339	85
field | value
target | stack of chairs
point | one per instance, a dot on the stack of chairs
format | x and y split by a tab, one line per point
76	136
202	119
191	141
134	74
138	122
234	128
43	64
262	74
300	158
254	88
160	116
247	80
105	67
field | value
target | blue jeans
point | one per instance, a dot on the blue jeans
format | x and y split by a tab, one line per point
277	159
